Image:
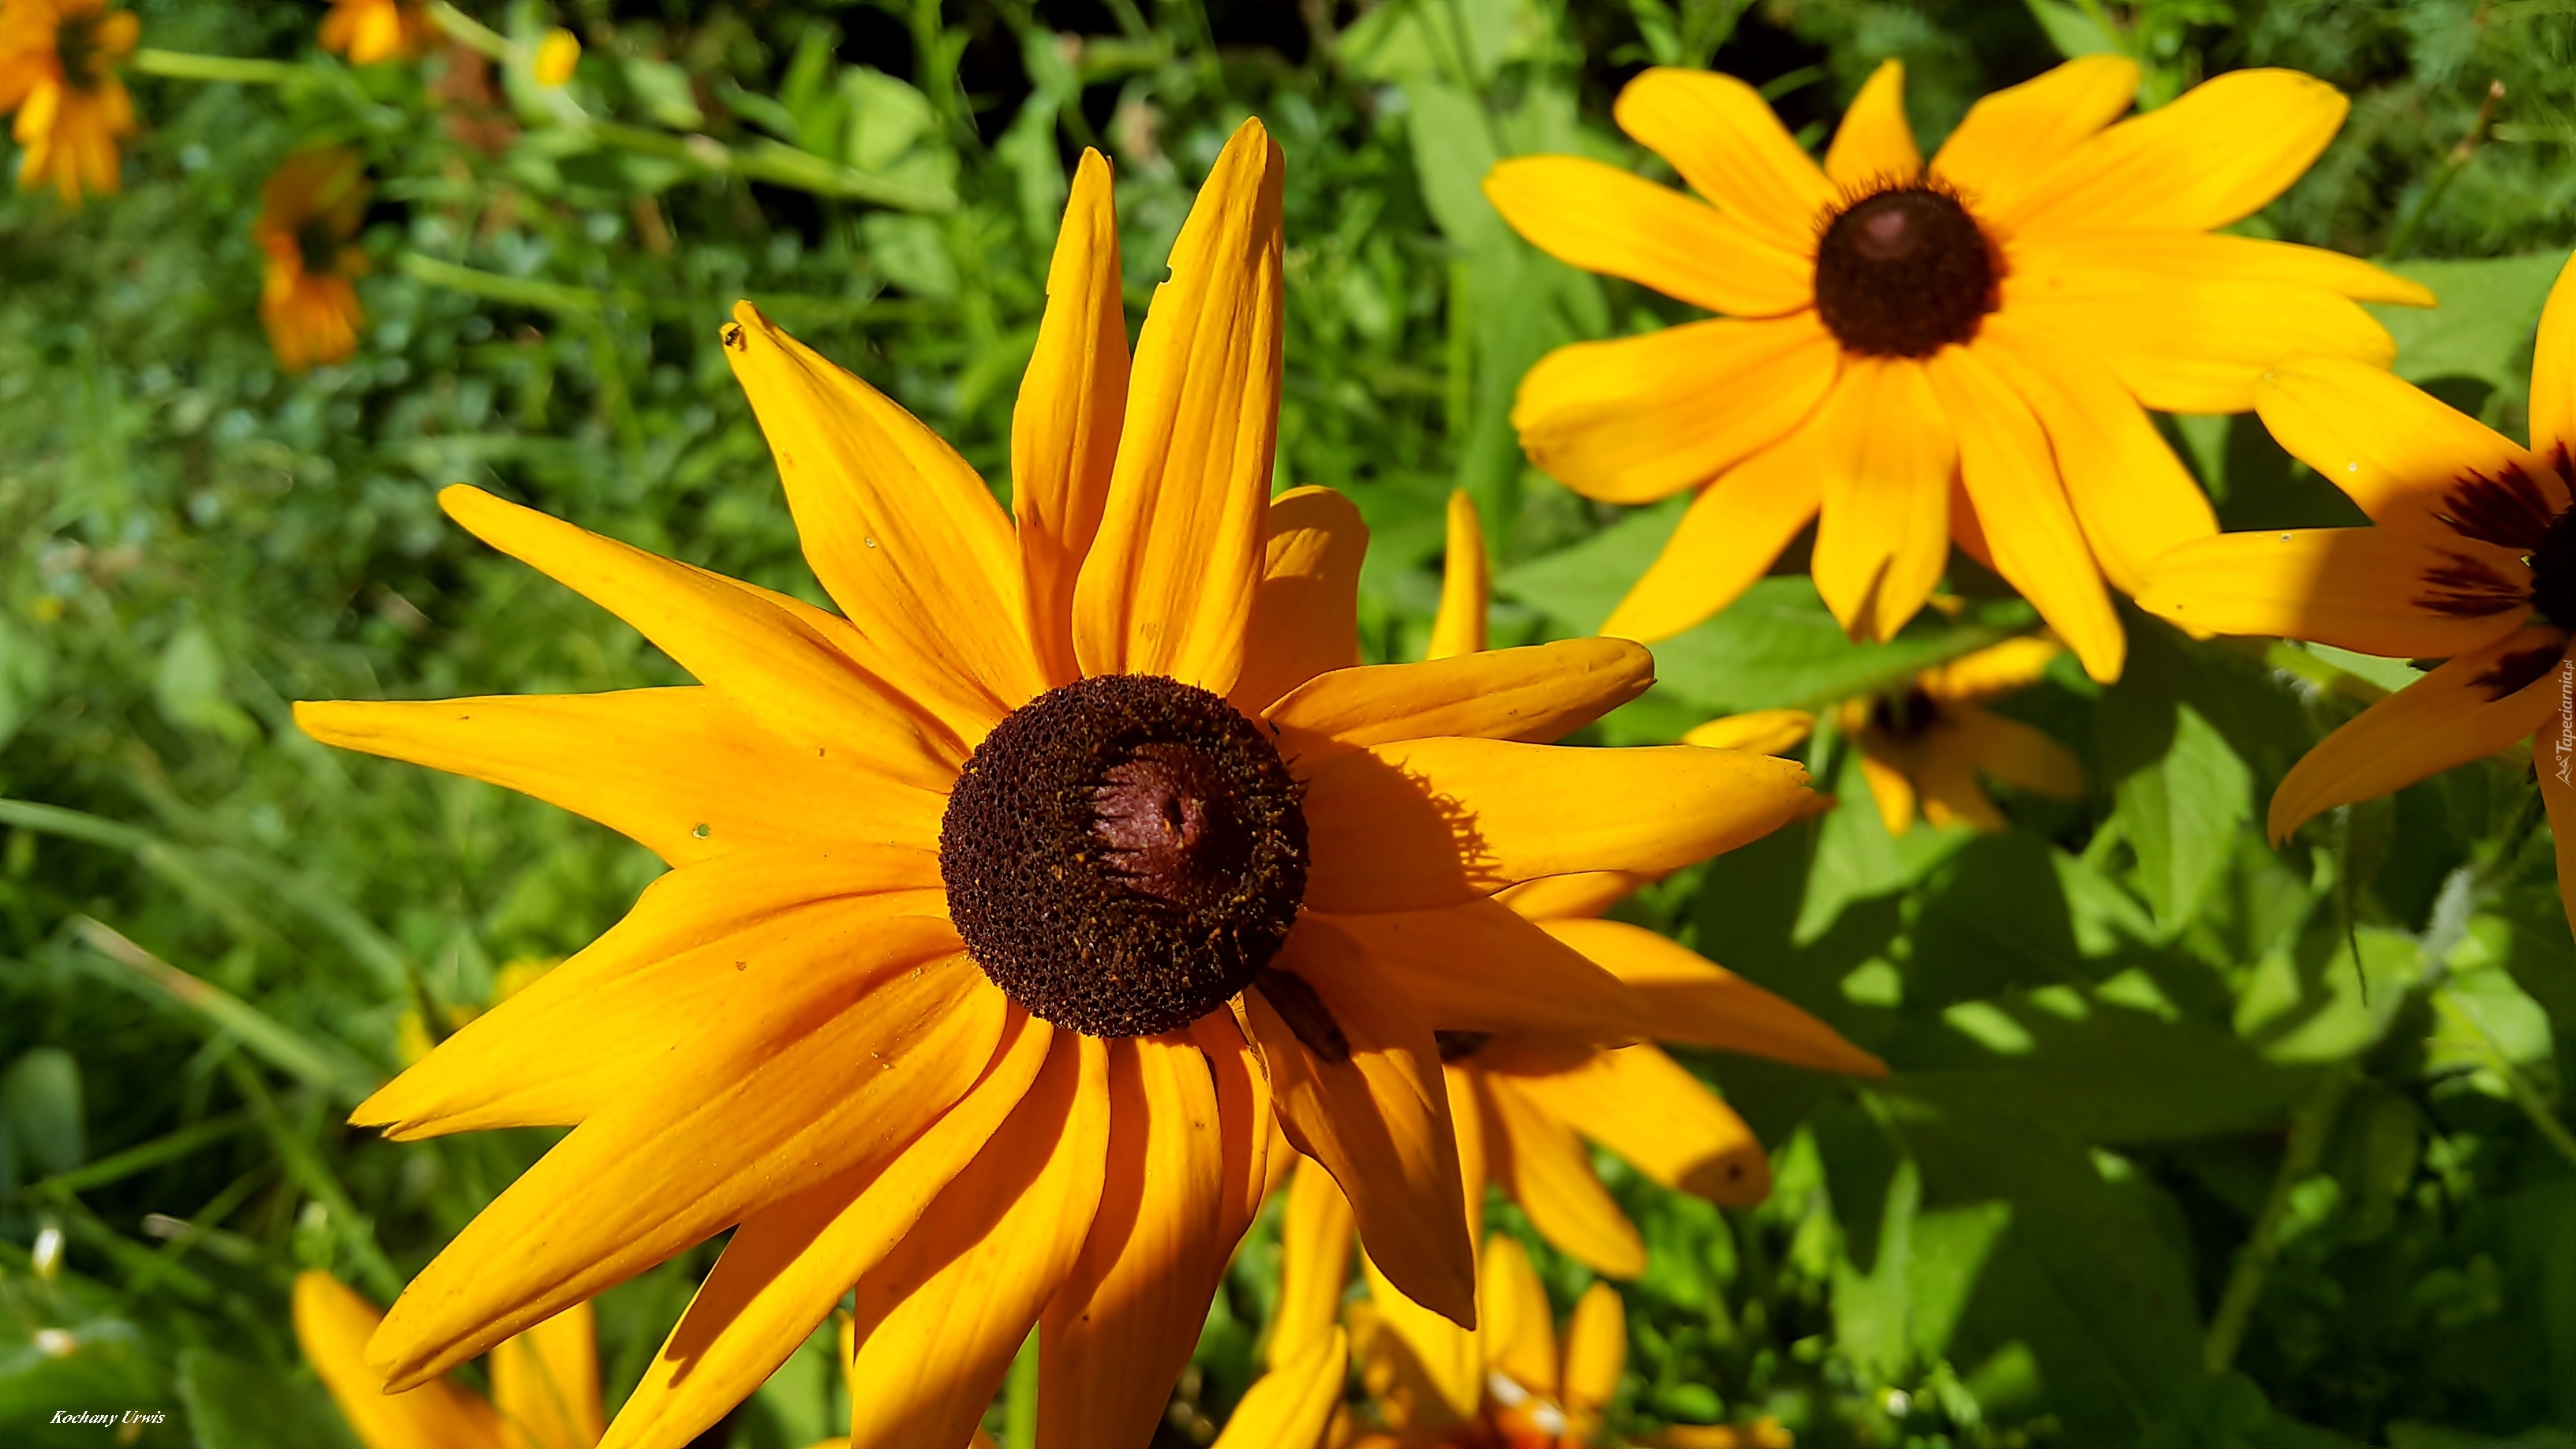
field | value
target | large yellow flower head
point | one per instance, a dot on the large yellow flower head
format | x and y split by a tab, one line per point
1919	353
1014	904
57	71
309	212
371	31
2470	559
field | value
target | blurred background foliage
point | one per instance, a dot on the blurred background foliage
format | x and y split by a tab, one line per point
2191	1141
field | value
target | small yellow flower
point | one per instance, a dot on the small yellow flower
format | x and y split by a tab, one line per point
1915	353
57	71
369	31
2470	558
557	54
545	1382
309	212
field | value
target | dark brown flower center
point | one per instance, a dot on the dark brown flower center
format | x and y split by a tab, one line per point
1904	716
1457	1046
318	246
1903	272
1123	854
2553	572
76	47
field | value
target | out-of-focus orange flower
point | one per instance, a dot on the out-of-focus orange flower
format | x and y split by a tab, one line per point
369	31
57	71
557	54
309	212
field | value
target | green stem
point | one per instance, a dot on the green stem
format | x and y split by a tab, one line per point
469	32
308	1171
1020	1405
2309	1128
2525	1096
313	1063
518	291
187	65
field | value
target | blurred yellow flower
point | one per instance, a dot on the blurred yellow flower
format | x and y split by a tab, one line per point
1920	352
557	54
57	72
369	31
309	212
545	1382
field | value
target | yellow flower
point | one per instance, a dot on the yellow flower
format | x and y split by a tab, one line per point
308	299
57	73
2470	558
1015	902
1292	1406
369	31
1929	741
1919	353
557	54
545	1382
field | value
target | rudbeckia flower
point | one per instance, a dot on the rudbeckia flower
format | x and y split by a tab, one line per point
57	71
2470	558
545	1382
1914	353
308	298
1014	901
369	31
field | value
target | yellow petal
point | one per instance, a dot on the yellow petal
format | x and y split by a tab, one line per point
1479	966
332	1324
1889	787
1064	428
1596	1347
1459	626
2129	491
2216	155
1535	694
1947	780
2553	370
703	940
1314	1263
900	530
1688	998
1629	420
1762	731
1644	1106
1887	451
939	1321
2031	534
1305	613
2449	717
2215	254
1582	894
1874	147
787	1266
1121	1329
1424	823
1467	1119
1367	1102
1169	584
1730	537
2011	137
1993	670
1606	220
1291	1406
1721	136
2012	752
2364	589
681	771
2191	344
1538	1160
545	1382
788	665
1443	1376
1255	1154
813	1079
2396	449
1519	1335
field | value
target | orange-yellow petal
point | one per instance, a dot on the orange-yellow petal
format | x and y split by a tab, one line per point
2216	155
545	1383
1874	147
1887	451
1537	694
1988	672
2012	752
1314	1262
1292	1406
1596	1349
2190	343
2011	137
332	1324
1728	539
1686	997
1519	1332
1255	1154
2396	449
1542	1165
2218	254
1305	613
1762	731
1581	894
1889	786
1447	1375
1641	1104
1722	137
2553	369
1459	626
1479	966
1602	219
2371	590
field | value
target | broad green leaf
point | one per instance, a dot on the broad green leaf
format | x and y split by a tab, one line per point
887	118
25	666
912	252
664	91
2072	30
1453	40
190	687
1577	587
47	1123
237	1405
1454	145
2483	327
1857	859
2309	1005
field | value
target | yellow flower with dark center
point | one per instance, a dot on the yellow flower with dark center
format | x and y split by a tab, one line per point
370	31
1919	353
2470	559
57	71
545	1382
1015	903
308	300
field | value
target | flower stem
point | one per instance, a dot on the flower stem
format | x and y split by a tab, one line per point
1020	1402
2309	1128
187	65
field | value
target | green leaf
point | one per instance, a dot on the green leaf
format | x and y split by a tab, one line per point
2181	811
2483	328
1856	859
2072	30
41	1100
25	666
2309	1005
1453	148
912	252
664	91
237	1405
189	687
1452	40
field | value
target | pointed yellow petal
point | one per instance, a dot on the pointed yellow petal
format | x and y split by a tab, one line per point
1519	1335
2216	254
1314	1263
1064	429
1446	1375
2216	155
2010	138
1889	786
2371	590
1168	586
1536	694
1888	451
2553	370
545	1382
899	529
941	1318
1688	998
2190	343
1874	147
681	771
788	1265
1947	781
1538	1160
2031	535
332	1324
1596	1348
1479	966
1579	895
1642	1105
1762	731
2449	717
1730	537
1721	136
821	1075
1121	1329
1993	670
1305	613
1291	1406
1459	627
1602	219
1629	421
1255	1154
788	665
2013	752
2396	449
